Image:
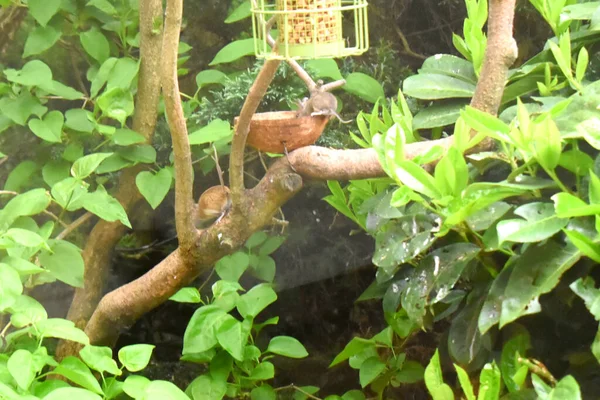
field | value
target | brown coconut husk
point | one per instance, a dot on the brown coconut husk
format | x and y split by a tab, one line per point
271	130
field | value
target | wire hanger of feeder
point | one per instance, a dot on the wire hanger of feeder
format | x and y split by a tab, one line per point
311	29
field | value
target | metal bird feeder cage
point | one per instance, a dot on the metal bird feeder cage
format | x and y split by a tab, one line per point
309	29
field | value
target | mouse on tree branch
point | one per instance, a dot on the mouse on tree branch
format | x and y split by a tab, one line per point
320	102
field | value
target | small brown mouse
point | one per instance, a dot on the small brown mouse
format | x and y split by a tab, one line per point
320	103
213	204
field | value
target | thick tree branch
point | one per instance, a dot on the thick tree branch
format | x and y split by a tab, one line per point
184	204
105	235
500	54
238	145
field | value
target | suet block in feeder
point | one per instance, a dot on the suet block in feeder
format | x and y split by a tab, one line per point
309	29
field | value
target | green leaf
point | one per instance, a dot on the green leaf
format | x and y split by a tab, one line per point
126	137
55	171
24	237
10	286
29	203
416	178
355	346
153	187
435	276
103	5
435	381
40	39
325	68
256	239
163	390
58	89
64	262
233	336
122	74
582	63
136	357
216	130
20	175
69	193
536	271
34	73
232	267
439	114
210	76
264	268
287	346
86	165
99	358
430	86
270	245
187	295
142	153
79	120
489	382
263	371
95	44
585	288
257	299
26	310
485	123
364	86
234	51
75	370
264	392
50	128
22	368
446	64
465	383
104	72
105	206
200	334
584	244
71	393
412	372
567	206
135	386
43	10
21	108
206	387
539	222
117	104
566	388
241	12
546	143
370	370
465	341
113	163
516	346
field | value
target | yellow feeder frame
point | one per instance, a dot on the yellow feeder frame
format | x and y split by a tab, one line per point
310	29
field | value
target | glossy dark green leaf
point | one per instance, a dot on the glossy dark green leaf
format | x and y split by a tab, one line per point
539	222
439	114
492	308
435	276
436	86
465	341
449	65
537	271
484	218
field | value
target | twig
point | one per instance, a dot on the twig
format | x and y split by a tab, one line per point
74	225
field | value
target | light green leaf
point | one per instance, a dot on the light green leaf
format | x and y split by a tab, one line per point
241	12
234	51
465	383
233	337
95	44
100	359
369	370
231	267
20	176
86	165
216	130
325	68
126	137
210	76
50	128
287	346
257	299
43	10
34	73
71	393
10	286
102	76
154	187
136	357
117	104
163	390
539	222
20	109
435	381
64	262
489	382
567	206
22	368
74	369
105	206
429	86
364	86
80	120
40	39
585	244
